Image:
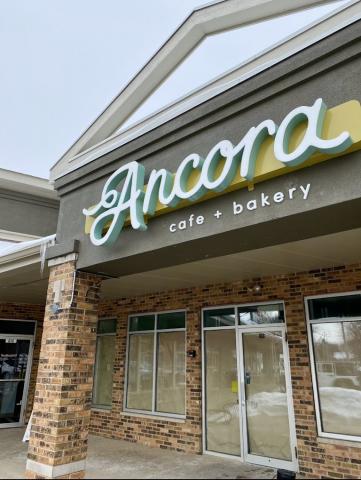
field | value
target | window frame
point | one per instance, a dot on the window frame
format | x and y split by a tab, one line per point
236	307
96	406
309	323
155	333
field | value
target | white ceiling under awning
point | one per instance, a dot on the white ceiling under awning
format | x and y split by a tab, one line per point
326	251
27	285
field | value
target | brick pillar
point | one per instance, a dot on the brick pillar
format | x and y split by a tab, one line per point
61	414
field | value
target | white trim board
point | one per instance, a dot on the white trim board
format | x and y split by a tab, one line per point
16	237
24	254
23	183
219	16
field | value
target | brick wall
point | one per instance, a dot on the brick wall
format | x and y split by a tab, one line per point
11	311
317	458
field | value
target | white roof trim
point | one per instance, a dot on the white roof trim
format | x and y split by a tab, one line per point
7	236
25	253
20	182
218	16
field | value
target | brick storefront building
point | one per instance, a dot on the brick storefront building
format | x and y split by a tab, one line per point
201	295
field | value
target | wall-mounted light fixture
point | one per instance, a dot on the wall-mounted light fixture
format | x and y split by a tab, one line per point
254	289
58	289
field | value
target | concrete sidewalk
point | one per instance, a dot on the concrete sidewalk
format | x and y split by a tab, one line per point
117	459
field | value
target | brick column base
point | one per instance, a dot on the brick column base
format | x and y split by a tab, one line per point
41	471
61	415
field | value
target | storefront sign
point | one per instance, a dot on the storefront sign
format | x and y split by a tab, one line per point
307	135
257	201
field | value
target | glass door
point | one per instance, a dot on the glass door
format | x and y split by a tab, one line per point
221	408
15	364
266	398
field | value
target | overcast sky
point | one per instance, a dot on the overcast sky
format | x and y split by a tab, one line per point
62	62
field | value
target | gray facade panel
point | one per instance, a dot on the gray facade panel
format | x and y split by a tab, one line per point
27	214
329	208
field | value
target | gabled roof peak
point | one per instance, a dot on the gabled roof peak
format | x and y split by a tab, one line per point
211	18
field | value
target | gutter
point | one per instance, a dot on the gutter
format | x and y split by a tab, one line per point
26	253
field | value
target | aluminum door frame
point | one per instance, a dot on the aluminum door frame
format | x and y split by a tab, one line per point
24	400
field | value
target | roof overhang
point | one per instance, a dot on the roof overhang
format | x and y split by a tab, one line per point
24	254
21	280
22	183
292	257
24	272
102	137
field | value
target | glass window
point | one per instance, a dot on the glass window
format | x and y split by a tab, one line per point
221	383
14	366
266	395
171	373
14	327
335	307
336	340
107	326
220	317
104	364
156	364
140	372
142	323
171	321
261	314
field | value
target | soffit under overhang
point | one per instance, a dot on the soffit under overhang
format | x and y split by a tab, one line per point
27	285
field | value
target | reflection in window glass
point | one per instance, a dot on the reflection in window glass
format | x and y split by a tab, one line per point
17	327
140	372
13	359
266	395
220	317
103	375
222	409
171	373
170	321
107	325
142	323
261	314
335	307
14	355
337	355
